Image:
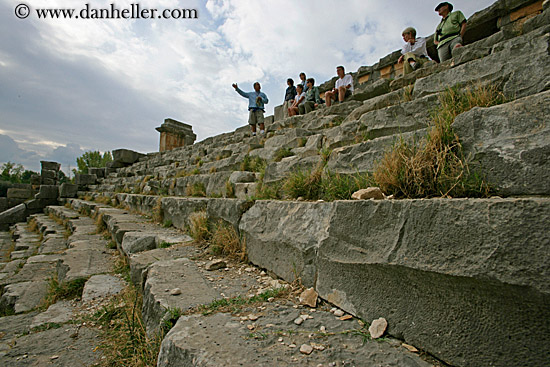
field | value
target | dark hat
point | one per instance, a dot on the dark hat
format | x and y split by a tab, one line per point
443	4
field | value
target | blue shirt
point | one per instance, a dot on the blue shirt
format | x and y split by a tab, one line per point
252	105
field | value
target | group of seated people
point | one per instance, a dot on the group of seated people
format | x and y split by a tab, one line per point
304	97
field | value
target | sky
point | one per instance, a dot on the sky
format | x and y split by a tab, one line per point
73	85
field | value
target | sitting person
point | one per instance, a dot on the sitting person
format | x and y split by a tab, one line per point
289	95
414	52
449	33
342	88
300	98
303	81
312	98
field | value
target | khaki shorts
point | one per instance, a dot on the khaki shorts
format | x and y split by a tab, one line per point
255	117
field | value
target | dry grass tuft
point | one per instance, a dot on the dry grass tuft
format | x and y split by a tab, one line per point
226	241
199	226
436	165
157	215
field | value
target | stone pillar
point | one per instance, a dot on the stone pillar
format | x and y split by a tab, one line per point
49	174
175	134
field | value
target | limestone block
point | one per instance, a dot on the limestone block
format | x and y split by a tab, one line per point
101	287
50	174
13	215
527	55
245	191
82	179
179	273
290	139
380	87
99	172
47	181
277	171
67	190
476	266
25	296
48	192
14	193
133	242
50	166
58	313
277	241
278	113
242	177
510	144
126	156
177	210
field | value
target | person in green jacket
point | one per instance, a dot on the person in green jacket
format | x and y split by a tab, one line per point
449	32
313	99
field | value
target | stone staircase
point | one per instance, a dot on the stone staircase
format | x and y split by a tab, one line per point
464	280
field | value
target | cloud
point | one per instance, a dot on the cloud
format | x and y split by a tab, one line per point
106	84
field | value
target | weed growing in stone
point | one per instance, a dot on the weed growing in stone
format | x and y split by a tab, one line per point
156	212
196	189
235	304
226	241
229	189
59	291
199	226
253	164
33	225
124	341
165	244
407	93
436	165
100	224
282	153
170	318
167	223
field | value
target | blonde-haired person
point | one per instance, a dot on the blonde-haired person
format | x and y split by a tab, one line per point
413	53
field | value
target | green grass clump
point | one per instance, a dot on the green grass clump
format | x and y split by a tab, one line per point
196	189
321	184
436	165
253	164
282	153
124	341
60	291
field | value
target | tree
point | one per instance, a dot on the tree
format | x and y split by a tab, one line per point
92	159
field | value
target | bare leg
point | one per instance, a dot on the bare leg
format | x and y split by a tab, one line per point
253	127
328	98
262	127
341	93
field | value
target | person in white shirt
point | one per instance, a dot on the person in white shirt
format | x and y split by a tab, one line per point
300	98
342	88
413	53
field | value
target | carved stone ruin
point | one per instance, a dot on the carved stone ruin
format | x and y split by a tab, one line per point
175	134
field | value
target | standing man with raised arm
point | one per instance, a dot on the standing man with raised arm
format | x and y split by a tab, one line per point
450	31
256	102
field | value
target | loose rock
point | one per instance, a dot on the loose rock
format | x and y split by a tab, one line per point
306	349
216	265
175	292
309	297
368	193
378	328
338	313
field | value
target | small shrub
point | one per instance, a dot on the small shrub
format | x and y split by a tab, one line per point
33	225
100	224
302	142
196	189
182	173
170	318
111	245
167	223
282	153
198	226
325	154
196	171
